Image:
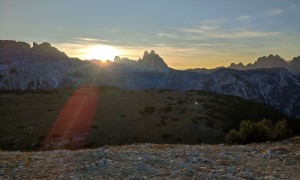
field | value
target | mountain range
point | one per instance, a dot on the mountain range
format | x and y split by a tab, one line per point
263	62
271	62
270	80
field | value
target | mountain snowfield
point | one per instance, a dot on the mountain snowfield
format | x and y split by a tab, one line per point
270	79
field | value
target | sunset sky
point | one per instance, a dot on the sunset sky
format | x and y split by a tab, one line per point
187	34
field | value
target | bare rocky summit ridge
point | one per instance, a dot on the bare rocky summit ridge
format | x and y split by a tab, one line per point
278	160
12	52
153	61
150	62
270	61
262	62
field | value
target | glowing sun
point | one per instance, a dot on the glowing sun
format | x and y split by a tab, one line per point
101	52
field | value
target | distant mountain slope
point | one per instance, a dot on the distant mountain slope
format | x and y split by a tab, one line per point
276	87
45	67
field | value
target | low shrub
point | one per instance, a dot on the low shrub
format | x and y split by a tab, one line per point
261	131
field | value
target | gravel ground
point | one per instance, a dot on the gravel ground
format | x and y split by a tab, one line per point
279	160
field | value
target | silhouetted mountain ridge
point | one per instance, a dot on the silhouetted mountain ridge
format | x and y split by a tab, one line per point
46	50
270	61
45	67
150	62
12	50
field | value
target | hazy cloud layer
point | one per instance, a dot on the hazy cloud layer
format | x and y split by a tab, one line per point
244	18
274	12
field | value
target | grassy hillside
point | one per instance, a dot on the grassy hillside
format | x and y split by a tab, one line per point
125	117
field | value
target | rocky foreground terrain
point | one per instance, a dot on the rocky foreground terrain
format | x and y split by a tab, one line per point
278	160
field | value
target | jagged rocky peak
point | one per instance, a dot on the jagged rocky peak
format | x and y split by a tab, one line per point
45	49
239	66
13	45
295	63
117	59
12	50
120	60
296	59
151	55
294	66
150	62
152	52
44	45
146	54
270	62
153	61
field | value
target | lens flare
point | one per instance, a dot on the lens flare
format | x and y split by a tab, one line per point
70	130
